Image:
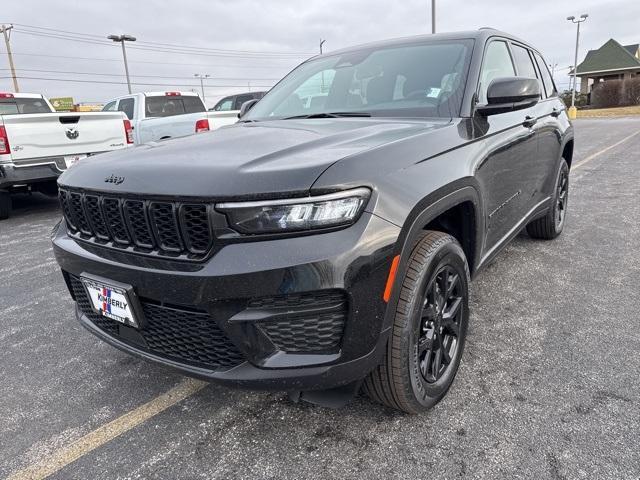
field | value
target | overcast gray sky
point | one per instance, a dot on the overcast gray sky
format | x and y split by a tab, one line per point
284	32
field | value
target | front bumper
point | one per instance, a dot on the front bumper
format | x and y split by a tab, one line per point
241	289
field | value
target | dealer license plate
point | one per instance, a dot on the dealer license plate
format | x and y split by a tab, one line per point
110	301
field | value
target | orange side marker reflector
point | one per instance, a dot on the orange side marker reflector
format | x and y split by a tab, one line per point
391	278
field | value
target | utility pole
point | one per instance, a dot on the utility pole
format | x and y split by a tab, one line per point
201	77
321	74
433	16
122	39
5	29
572	109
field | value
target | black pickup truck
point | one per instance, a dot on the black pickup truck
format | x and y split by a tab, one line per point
325	243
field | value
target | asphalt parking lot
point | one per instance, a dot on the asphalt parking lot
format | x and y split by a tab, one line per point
549	386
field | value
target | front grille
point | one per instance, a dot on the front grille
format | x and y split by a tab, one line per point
186	336
311	322
170	229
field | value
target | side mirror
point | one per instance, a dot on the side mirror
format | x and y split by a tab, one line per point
246	106
509	94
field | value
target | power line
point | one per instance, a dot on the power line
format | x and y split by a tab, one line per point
139	76
168	49
190	85
219	65
100	37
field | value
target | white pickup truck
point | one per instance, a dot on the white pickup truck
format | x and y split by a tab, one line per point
38	144
161	115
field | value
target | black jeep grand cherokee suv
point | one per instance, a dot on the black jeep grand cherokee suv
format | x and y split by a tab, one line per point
327	240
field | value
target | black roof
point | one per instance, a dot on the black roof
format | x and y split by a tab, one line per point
481	34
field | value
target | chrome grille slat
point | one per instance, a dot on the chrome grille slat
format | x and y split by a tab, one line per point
163	228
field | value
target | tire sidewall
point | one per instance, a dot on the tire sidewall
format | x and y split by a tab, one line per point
423	393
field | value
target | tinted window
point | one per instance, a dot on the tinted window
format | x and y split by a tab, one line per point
523	62
549	86
224	105
240	99
431	76
497	64
109	107
126	105
14	106
167	106
193	104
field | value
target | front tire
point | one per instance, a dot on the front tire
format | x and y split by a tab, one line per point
551	225
429	328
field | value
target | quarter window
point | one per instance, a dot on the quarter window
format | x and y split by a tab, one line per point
549	86
497	64
109	107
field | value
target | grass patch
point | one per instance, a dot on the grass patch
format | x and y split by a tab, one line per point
609	112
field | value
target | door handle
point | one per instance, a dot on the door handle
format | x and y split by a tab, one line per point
529	121
556	112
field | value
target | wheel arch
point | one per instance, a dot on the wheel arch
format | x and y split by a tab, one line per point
455	209
567	151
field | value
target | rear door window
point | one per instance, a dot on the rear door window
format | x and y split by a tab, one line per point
109	107
240	99
523	62
127	105
497	64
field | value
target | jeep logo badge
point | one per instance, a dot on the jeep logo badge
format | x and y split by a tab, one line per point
114	179
72	133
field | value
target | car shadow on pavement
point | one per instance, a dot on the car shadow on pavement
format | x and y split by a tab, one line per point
25	204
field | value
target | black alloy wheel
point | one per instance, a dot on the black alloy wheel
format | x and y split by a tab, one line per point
440	327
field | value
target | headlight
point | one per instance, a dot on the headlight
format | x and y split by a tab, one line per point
296	214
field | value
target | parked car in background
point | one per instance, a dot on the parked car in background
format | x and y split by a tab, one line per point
38	144
232	103
321	246
162	115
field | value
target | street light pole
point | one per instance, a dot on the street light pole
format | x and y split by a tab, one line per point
5	29
433	16
122	39
201	77
572	109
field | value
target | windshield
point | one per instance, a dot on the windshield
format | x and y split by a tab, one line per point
15	106
415	80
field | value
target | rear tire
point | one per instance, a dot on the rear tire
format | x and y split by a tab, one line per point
5	205
429	328
551	225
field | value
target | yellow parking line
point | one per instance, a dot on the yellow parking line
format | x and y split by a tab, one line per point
597	154
98	437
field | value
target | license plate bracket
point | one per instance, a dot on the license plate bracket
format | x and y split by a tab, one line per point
114	300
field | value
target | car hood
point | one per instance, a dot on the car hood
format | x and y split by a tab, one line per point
262	159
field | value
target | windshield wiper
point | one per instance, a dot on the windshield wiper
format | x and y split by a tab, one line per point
330	115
